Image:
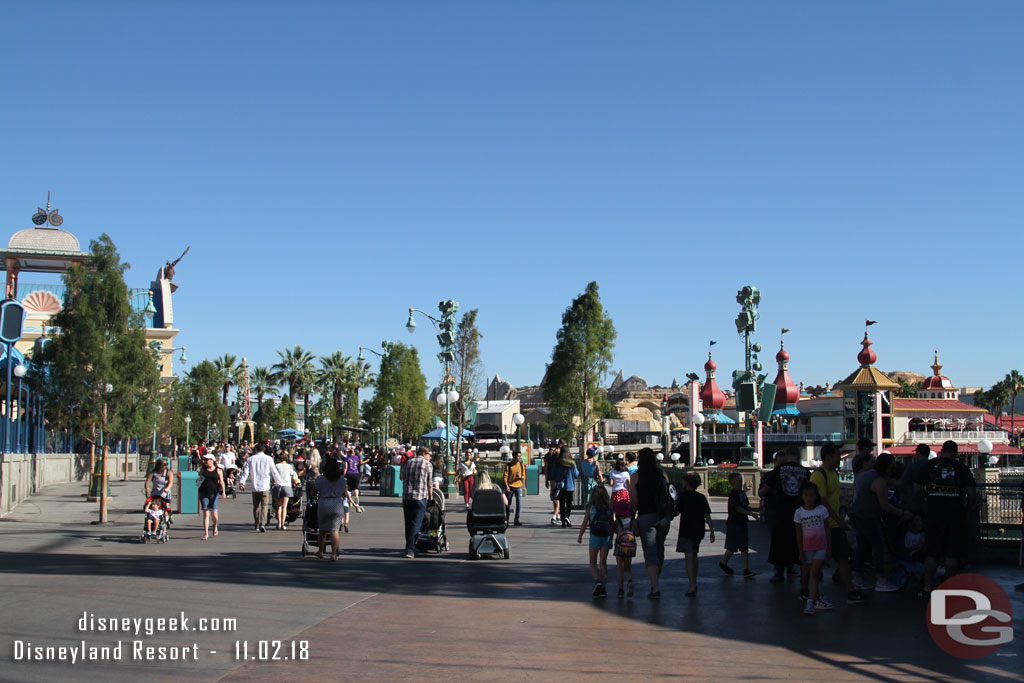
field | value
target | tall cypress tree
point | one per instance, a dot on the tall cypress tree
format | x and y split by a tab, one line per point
402	385
579	362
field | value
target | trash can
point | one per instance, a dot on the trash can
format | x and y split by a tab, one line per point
390	483
532	480
188	493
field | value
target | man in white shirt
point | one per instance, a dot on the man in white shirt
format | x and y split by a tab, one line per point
262	468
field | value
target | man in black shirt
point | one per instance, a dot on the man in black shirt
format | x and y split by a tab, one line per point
784	483
949	488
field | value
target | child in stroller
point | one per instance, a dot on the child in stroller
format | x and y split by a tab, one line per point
158	518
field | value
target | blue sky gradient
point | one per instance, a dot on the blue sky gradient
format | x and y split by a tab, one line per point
332	164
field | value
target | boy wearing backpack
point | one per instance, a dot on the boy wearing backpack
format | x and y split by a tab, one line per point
598	516
694	511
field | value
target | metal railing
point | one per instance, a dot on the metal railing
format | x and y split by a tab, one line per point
999	512
708	437
970	436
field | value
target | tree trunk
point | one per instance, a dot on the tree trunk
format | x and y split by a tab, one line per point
103	476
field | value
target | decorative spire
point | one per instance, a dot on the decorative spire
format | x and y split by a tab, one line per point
867	356
711	395
787	393
937	366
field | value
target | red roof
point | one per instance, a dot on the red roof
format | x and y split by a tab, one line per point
941	405
1004	422
963	448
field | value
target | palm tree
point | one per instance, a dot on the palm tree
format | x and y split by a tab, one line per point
361	376
998	396
263	383
335	373
294	370
228	369
1014	383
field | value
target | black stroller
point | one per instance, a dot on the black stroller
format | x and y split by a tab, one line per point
486	522
310	524
432	534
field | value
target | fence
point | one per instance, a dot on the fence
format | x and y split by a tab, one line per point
999	513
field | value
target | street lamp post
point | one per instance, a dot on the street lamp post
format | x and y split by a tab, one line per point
19	372
446	339
698	421
446	399
326	422
744	382
156	422
388	410
518	420
188	431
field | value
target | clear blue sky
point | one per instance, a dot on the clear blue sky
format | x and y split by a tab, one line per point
333	163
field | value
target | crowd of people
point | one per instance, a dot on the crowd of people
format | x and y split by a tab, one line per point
915	512
914	515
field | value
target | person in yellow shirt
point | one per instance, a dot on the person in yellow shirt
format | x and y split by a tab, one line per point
515	478
826	478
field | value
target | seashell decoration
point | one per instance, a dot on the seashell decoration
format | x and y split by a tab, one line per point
41	302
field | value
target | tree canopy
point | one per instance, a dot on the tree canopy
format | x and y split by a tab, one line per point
581	358
402	385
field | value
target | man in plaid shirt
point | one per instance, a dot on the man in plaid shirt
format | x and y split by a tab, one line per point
417	475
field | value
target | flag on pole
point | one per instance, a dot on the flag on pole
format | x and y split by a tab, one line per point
869	323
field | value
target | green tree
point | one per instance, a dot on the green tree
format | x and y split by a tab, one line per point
998	397
361	375
197	395
227	366
295	368
1014	383
579	362
263	383
335	373
402	385
467	370
101	343
908	389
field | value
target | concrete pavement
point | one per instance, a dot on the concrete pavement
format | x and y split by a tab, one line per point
377	615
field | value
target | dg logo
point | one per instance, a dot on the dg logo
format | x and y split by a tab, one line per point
970	616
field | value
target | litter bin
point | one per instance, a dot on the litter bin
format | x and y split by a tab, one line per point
390	484
532	480
188	493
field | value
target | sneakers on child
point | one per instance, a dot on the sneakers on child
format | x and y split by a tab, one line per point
885	587
597	589
805	596
855	596
622	594
809	608
822	603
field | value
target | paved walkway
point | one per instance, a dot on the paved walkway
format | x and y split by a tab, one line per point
379	616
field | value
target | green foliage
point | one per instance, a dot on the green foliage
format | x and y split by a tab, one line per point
1014	384
402	385
718	485
227	366
295	368
100	342
263	384
197	395
467	369
908	389
581	358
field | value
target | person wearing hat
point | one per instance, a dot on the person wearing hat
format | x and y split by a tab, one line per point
949	487
211	487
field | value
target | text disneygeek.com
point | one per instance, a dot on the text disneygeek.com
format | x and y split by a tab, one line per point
137	650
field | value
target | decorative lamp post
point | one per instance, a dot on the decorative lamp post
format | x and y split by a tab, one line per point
183	358
19	372
519	419
744	382
698	421
505	451
326	422
985	448
156	423
445	327
188	431
388	410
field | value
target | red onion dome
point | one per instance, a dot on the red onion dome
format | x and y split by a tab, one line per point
867	356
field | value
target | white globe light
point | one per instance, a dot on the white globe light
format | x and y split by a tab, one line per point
620	456
440	424
675	457
19	371
993	460
698	419
504	449
985	446
711	462
441	398
600	450
518	419
452	396
611	448
661	456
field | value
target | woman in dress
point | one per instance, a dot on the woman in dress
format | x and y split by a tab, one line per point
211	487
467	475
333	491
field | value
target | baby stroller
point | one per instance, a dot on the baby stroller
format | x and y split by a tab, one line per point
310	524
160	533
432	533
486	523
